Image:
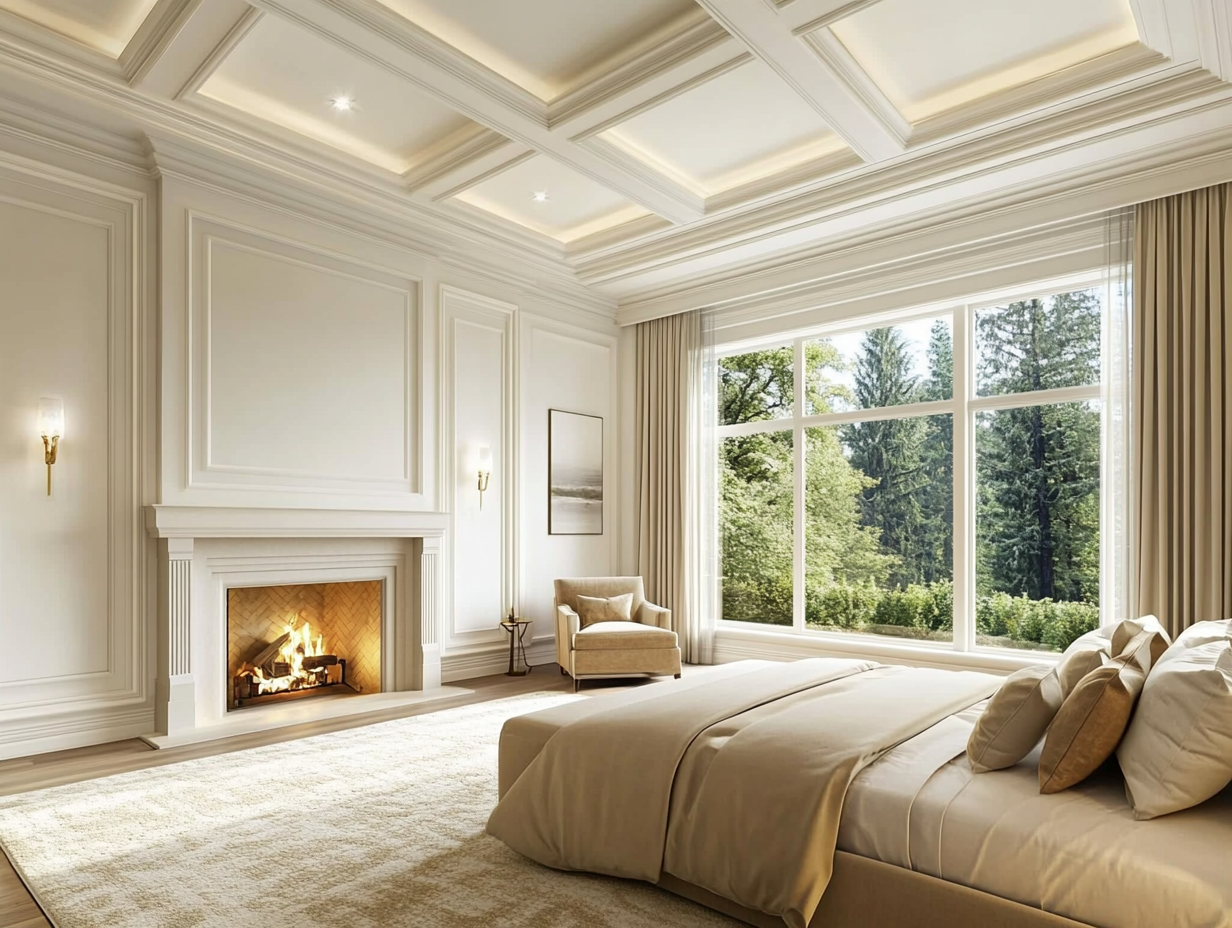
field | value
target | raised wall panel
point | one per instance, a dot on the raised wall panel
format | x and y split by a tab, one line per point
478	349
304	369
563	367
73	622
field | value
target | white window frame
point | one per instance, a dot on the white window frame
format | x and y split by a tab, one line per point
964	406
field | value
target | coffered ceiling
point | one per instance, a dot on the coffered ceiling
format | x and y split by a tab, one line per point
646	149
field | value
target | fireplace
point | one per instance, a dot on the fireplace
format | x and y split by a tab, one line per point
294	641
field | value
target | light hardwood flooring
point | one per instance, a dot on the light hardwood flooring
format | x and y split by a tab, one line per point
19	910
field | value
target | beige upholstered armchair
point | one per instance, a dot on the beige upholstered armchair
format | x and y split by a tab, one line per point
644	645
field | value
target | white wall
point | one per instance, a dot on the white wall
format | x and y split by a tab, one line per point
565	367
74	649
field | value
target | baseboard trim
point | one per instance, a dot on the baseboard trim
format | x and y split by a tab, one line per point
75	732
488	661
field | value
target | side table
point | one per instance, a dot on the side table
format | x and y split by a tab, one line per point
517	646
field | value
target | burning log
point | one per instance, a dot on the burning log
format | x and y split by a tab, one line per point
320	662
268	655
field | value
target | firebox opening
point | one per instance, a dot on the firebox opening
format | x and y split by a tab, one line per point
299	640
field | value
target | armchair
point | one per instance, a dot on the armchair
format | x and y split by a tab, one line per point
647	645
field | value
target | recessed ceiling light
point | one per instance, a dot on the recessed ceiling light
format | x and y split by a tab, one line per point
342	104
540	196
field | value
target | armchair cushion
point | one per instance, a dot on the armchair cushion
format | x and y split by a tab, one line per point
594	609
622	636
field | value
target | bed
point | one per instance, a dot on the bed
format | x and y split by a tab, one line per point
921	840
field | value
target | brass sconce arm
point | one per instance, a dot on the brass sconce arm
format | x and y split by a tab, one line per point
50	447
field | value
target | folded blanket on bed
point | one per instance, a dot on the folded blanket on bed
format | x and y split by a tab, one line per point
735	786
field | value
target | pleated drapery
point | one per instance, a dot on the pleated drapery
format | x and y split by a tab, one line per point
1182	436
672	476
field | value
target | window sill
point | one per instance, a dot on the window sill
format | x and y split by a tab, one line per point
737	642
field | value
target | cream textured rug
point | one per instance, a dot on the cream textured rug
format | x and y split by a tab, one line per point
376	827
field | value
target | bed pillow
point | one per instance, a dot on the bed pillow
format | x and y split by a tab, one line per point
1096	648
1093	718
1178	750
1015	719
595	609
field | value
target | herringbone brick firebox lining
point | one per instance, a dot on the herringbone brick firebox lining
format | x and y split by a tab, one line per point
347	614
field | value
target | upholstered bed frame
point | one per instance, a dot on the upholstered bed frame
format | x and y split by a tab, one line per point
866	893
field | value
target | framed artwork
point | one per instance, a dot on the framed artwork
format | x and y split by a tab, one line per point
575	473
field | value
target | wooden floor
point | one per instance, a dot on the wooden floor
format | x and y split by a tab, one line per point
19	910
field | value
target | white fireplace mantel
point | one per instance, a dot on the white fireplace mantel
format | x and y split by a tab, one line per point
199	545
235	522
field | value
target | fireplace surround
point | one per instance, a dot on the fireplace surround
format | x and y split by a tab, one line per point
204	552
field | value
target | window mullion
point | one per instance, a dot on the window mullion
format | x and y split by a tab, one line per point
798	458
964	481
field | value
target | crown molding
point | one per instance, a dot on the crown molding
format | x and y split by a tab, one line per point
844	195
805	16
454	153
1152	171
672	66
826	46
1034	98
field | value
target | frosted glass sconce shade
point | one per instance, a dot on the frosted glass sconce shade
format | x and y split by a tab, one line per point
51	417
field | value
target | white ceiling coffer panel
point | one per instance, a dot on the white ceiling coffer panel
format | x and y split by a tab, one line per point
739	127
104	25
873	132
291	77
935	57
545	46
549	198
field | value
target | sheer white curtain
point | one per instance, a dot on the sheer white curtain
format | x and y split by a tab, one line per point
1117	510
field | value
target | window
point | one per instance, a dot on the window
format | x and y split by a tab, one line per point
843	456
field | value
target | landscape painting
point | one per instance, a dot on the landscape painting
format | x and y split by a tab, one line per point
575	474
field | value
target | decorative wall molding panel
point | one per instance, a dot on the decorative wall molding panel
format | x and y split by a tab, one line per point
73	581
478	360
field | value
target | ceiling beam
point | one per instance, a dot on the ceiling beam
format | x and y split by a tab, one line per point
829	92
374	32
181	42
801	16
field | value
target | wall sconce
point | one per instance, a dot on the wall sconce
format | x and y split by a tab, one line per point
485	471
51	427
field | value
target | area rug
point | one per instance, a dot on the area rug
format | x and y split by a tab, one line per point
376	827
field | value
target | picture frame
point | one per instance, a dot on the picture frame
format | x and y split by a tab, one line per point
575	473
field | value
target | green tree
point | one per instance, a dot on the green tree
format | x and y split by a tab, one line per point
888	451
936	492
1038	500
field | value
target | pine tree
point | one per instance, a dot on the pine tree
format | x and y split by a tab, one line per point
1038	518
936	493
889	451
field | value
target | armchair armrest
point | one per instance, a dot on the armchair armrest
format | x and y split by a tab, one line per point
650	614
568	622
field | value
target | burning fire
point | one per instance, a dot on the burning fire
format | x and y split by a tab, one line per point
284	669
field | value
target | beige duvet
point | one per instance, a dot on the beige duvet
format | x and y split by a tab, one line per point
736	786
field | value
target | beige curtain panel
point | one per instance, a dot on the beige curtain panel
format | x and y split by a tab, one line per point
667	352
1182	436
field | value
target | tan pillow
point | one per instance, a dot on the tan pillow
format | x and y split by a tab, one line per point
1015	719
1178	750
593	609
1093	719
1090	651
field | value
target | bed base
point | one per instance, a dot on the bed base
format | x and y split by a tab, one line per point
866	893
